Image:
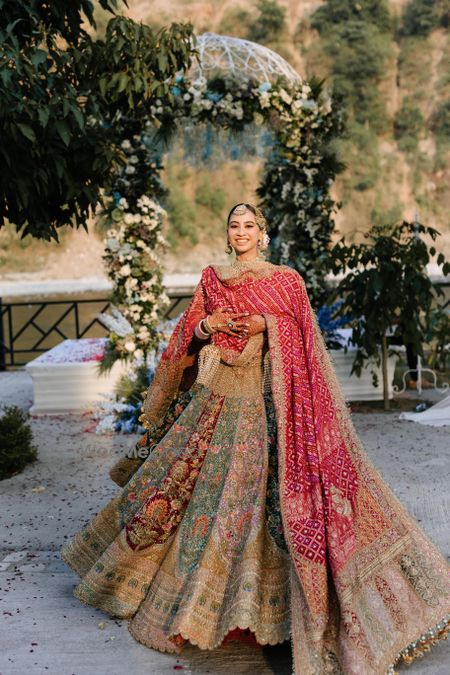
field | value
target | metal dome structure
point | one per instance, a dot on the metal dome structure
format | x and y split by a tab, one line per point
240	58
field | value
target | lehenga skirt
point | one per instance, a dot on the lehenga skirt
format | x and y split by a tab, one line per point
192	547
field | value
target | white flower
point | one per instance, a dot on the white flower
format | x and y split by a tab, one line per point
144	201
285	96
200	82
310	104
125	270
129	218
123	203
126	145
131	283
130	169
130	346
133	159
138	354
258	118
136	308
264	99
187	97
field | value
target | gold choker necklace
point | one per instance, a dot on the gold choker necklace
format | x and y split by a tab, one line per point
244	263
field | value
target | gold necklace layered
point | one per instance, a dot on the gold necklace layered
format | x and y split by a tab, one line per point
242	264
233	270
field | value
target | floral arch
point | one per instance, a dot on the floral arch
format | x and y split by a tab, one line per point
233	83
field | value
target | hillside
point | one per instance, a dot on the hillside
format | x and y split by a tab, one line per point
395	76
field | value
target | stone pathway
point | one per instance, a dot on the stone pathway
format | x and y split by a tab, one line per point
45	629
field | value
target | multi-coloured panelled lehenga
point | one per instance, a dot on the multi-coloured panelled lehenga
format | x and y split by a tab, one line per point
254	505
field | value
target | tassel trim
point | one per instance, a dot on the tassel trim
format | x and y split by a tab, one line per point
267	374
422	644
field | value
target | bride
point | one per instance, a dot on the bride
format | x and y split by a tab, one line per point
250	503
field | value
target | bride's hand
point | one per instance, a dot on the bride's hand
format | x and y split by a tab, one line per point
219	319
257	324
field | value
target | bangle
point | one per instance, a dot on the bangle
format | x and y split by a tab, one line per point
199	330
207	326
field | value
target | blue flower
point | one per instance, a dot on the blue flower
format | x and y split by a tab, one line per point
176	91
117	197
325	321
213	96
265	86
179	78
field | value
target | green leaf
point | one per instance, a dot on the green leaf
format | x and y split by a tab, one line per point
39	57
63	131
43	115
123	81
78	116
27	132
162	61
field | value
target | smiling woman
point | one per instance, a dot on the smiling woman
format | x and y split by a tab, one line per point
256	505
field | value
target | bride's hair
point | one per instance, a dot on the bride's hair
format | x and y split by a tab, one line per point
250	207
259	216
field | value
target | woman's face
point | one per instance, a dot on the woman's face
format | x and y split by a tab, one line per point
243	232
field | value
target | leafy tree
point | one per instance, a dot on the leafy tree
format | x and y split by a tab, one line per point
270	22
355	37
387	284
422	16
335	12
62	95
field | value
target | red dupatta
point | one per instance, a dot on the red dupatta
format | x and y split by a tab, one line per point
366	581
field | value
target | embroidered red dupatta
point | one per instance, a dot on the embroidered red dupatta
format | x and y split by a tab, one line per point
366	582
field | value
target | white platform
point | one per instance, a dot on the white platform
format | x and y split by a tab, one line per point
66	378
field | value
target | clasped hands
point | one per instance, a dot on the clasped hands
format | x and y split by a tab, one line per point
243	325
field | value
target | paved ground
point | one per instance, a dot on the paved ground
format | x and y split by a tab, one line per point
44	629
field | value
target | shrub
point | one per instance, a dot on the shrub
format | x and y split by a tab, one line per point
16	448
235	21
408	125
269	24
440	121
209	196
343	11
423	16
182	220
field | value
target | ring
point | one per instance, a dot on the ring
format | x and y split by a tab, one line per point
230	324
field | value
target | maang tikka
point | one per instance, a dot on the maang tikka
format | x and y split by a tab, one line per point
240	209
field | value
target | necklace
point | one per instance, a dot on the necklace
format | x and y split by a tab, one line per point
239	264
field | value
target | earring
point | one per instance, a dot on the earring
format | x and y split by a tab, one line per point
229	248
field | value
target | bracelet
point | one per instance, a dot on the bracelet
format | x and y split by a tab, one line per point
199	330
